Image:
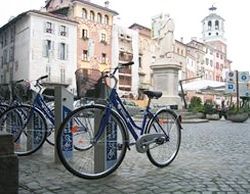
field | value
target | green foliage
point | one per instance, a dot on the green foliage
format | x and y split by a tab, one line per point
196	105
210	107
234	110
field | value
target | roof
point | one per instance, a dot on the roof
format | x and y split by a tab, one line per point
212	16
61	17
97	6
140	26
88	3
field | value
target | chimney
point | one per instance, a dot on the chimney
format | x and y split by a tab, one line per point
106	4
182	39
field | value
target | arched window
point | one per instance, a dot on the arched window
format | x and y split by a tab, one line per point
92	16
84	14
216	25
99	18
209	25
106	19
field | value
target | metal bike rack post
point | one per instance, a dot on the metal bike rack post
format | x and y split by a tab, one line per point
63	105
102	157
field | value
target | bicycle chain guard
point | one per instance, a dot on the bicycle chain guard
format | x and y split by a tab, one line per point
142	144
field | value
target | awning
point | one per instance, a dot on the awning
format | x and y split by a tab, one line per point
200	85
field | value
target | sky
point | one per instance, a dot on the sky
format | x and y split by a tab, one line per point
187	15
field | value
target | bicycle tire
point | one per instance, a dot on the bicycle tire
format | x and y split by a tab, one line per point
50	139
164	150
11	118
32	131
95	161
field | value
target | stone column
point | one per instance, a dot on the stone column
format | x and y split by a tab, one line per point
8	165
165	79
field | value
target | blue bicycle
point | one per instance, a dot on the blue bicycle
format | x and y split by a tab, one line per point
30	125
105	135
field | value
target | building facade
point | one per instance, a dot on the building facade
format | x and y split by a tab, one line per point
36	44
94	30
125	49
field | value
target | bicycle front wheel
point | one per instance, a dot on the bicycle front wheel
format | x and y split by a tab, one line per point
164	150
91	141
28	127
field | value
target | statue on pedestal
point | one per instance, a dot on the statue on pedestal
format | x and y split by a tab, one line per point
166	37
163	32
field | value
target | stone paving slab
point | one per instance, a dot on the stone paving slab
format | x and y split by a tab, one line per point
214	158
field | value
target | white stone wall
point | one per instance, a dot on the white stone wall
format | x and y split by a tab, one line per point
29	61
40	64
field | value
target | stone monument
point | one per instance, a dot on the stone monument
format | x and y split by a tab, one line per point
165	68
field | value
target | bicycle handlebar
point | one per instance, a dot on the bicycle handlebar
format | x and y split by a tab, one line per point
112	75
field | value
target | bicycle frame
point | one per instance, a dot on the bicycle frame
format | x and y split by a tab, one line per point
41	104
115	101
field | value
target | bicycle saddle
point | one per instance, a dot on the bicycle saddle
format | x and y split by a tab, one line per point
152	94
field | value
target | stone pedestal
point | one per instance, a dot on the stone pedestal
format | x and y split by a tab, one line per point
8	165
165	79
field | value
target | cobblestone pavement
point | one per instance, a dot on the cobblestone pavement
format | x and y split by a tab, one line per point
214	158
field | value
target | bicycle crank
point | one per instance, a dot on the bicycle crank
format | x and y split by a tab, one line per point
142	144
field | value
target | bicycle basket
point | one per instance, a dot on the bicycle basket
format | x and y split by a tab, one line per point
86	79
22	91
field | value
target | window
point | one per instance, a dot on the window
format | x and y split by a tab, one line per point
92	16
62	51
2	61
216	25
48	27
211	63
217	55
62	30
103	38
5	56
47	47
99	18
62	72
1	41
84	34
178	51
106	19
104	58
207	61
221	56
5	38
11	54
140	61
12	34
209	25
84	14
217	65
85	55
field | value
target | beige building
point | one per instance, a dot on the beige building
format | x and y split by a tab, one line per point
146	57
94	33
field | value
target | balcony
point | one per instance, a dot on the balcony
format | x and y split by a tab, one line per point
49	30
63	33
125	70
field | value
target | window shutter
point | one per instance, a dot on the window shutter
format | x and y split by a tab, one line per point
59	51
44	49
66	51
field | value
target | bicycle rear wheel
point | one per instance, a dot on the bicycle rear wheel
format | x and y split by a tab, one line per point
91	145
164	150
28	126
